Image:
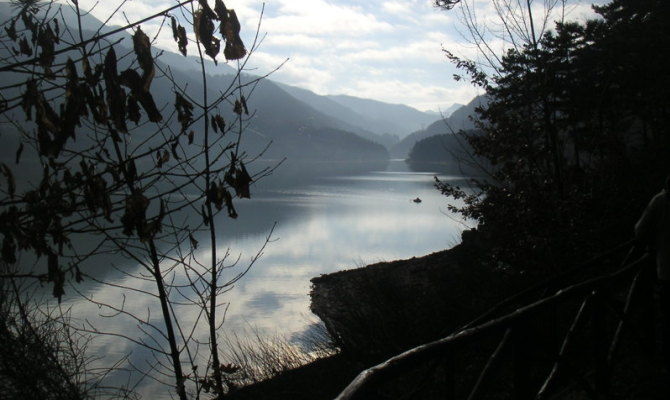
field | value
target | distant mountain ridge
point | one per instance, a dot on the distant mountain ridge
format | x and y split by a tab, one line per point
348	118
301	124
461	119
394	119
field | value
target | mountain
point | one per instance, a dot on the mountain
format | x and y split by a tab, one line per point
446	153
295	129
381	122
298	131
362	124
446	113
461	119
373	120
386	118
451	109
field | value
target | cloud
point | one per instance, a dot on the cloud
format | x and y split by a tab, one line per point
396	7
367	49
295	40
301	71
424	50
424	96
320	17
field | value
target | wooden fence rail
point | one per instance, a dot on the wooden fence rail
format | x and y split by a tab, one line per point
595	305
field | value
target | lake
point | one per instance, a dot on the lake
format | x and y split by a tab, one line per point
325	225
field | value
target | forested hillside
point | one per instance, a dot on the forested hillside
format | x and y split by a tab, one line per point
576	131
282	126
461	119
446	153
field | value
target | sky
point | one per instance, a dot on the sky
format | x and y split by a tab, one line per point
384	50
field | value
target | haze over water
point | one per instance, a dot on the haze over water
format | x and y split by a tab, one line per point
339	223
331	224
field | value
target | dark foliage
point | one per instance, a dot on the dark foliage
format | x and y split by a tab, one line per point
39	357
576	132
447	153
114	176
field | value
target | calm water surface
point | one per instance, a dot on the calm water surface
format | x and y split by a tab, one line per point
336	223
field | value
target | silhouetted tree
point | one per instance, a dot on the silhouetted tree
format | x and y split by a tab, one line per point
124	171
575	130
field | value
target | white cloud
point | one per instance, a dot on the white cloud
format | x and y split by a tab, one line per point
299	71
425	50
295	40
320	17
419	95
396	7
375	49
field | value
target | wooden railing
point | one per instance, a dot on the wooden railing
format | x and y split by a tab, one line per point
595	312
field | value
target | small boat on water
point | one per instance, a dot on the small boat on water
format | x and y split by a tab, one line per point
417	200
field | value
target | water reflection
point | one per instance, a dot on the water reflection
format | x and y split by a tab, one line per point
340	222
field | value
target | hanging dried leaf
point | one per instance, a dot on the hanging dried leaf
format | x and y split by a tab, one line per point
24	47
214	126
244	104
230	29
184	111
162	157
238	107
174	26
220	9
228	199
174	148
57	30
29	99
11	30
115	95
28	21
132	80
86	67
204	32
229	176
242	180
183	41
191	134
19	151
220	123
46	40
11	183
156	225
194	243
133	109
134	217
75	106
142	47
205	220
215	196
131	171
159	159
95	102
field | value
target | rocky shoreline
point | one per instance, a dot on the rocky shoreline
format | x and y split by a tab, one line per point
379	310
387	307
